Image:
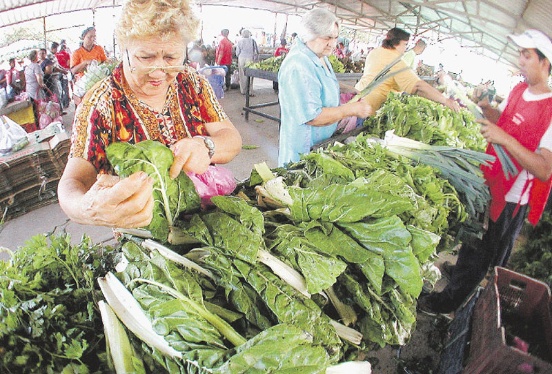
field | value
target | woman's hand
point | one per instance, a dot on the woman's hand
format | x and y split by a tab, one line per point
114	202
190	155
359	109
452	104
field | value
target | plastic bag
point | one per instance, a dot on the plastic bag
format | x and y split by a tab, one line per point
49	111
12	136
216	181
348	123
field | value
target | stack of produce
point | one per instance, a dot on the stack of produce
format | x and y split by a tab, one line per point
302	269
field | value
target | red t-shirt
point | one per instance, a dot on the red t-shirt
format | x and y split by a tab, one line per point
223	53
64	58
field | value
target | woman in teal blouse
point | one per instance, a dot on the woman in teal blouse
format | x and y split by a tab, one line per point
309	90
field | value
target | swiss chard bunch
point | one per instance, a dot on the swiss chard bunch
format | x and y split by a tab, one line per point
172	196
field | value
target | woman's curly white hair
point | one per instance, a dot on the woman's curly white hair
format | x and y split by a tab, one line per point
159	18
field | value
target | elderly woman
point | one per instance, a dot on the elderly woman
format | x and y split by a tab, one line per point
309	90
392	47
150	95
34	77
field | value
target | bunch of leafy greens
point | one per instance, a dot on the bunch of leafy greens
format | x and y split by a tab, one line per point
48	316
172	196
420	119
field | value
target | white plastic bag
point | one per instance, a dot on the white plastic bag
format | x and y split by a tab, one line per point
12	136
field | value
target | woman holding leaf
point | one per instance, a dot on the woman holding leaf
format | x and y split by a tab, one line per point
404	79
309	90
149	96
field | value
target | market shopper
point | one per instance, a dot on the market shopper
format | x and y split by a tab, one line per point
309	90
223	55
393	46
246	51
88	53
150	95
522	125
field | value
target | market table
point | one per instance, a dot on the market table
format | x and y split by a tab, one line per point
273	76
21	112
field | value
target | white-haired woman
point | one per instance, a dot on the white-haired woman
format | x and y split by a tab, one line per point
309	90
150	95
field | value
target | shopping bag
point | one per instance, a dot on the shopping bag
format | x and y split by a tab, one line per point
48	110
216	181
12	136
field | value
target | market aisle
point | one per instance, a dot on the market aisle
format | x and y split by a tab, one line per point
260	135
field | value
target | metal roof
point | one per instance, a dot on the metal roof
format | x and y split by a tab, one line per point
485	23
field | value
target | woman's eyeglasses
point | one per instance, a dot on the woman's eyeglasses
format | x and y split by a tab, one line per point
169	69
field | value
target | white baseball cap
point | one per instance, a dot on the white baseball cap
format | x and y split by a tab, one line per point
534	39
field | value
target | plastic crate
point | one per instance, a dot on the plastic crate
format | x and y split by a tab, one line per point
216	77
510	301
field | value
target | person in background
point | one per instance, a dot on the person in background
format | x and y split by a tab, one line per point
246	51
309	91
522	125
64	60
14	85
149	95
223	55
88	52
340	51
55	73
409	56
282	48
34	81
392	48
3	86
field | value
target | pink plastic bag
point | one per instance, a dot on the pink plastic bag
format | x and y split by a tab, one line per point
216	181
348	123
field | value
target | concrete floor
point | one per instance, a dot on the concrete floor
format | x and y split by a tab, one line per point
259	134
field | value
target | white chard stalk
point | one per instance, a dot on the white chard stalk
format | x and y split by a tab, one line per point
118	344
347	333
350	367
132	316
284	271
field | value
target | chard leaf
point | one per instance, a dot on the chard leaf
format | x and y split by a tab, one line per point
344	203
374	270
424	243
283	348
233	237
329	239
248	215
171	196
390	238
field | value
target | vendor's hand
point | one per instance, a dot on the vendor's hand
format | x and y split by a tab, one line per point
125	203
452	104
484	103
190	155
492	133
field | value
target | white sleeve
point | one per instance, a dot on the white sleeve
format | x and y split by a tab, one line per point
546	140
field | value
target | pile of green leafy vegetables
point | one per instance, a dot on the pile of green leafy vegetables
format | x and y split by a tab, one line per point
420	119
48	313
354	229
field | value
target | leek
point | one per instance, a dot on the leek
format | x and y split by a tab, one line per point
118	344
379	79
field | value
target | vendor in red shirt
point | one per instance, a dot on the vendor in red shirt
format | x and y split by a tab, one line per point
282	49
223	55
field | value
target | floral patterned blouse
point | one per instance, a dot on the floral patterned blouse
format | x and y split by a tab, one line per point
110	112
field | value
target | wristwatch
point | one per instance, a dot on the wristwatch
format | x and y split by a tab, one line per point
209	143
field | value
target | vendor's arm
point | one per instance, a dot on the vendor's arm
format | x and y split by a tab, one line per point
80	67
490	113
105	200
192	155
423	89
538	163
330	115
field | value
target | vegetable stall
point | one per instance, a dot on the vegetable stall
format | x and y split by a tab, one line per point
302	268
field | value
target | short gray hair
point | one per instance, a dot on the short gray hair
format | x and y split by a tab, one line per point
317	22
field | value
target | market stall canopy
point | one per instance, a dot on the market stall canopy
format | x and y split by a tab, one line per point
481	24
